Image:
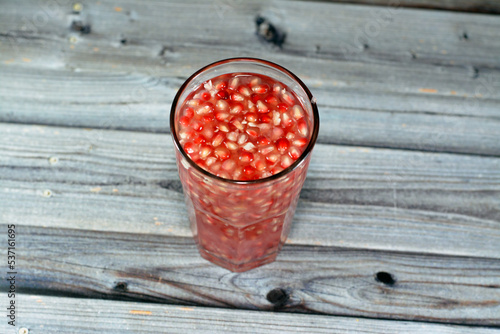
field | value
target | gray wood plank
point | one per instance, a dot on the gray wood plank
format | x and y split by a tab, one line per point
120	181
324	280
51	315
479	6
420	85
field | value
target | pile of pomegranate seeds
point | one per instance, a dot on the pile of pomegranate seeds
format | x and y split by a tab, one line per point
243	126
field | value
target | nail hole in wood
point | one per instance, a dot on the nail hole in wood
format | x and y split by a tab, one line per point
465	36
277	296
120	287
85	29
385	278
123	41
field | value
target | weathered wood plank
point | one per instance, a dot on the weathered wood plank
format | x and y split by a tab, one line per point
407	94
120	181
51	315
316	279
479	6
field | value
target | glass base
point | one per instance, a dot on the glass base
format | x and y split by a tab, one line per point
237	267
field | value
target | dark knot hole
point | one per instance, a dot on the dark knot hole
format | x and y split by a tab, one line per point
386	278
277	296
120	287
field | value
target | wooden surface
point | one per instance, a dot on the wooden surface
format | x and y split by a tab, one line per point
404	184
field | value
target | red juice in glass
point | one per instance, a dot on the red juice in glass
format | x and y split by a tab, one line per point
244	129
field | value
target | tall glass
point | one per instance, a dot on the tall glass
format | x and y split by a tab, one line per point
240	225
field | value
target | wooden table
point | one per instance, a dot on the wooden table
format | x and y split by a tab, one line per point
398	226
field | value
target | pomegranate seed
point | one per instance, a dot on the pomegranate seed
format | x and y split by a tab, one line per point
282	145
237	97
261	107
205	151
232	146
286	161
255	98
297	112
287	120
263	141
271	99
199	140
261	89
302	127
294	153
222	153
301	142
237	108
201	163
266	149
288	98
207	118
248	170
242	139
222	94
290	135
277	88
205	109
246	157
184	120
210	161
233	83
260	165
277	133
222	105
251	117
237	124
206	96
221	116
273	158
223	127
215	167
186	134
254	132
208	132
220	85
193	103
237	173
190	147
218	140
276	118
229	165
197	126
189	112
282	107
244	90
248	146
232	136
223	175
265	119
254	81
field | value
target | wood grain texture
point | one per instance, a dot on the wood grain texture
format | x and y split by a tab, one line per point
479	6
325	280
51	315
123	181
420	84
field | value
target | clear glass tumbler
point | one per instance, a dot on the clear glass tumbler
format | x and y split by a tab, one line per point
240	225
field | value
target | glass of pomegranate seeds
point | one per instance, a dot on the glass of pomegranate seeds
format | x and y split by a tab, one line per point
244	130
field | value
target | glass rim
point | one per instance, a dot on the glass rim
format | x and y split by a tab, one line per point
284	172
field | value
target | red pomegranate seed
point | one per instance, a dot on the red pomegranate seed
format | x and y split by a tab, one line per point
273	158
232	146
248	146
197	126
297	112
255	81
254	98
237	124
222	105
276	170
277	133
242	139
184	120
221	116
300	142
260	165
276	118
265	119
210	161
222	94
290	136
302	127
263	141
186	134
286	161
282	107
232	136
229	165
294	153
233	83
254	132
189	112
218	140
266	149
206	96
208	132
282	145
286	119
205	151
222	153
220	85
271	99
251	117
199	140
288	98
244	90
205	109
223	127
190	147
237	108
248	170
237	97
246	157
262	107
261	89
